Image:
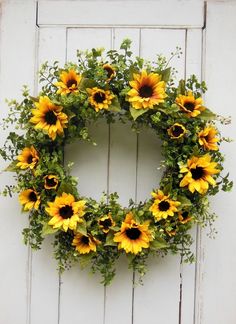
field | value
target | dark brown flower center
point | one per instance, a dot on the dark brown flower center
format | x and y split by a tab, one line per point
109	71
164	205
30	159
197	173
189	105
32	196
50	118
133	233
51	182
85	239
184	215
99	97
66	212
106	223
177	131
71	82
145	91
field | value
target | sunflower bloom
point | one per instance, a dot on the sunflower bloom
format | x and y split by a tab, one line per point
29	199
66	212
99	98
85	243
28	158
133	237
199	171
163	206
110	71
49	117
176	131
147	90
207	138
106	222
51	182
69	82
184	217
190	105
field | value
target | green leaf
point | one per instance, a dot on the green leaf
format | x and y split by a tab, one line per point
165	74
86	83
67	188
158	243
181	87
109	240
185	202
81	228
12	167
135	113
84	260
48	230
115	105
207	114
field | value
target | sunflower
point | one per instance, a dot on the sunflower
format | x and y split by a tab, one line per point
69	82
163	206
106	222
85	243
184	217
49	117
99	98
190	105
29	199
28	158
199	173
66	212
110	71
147	90
176	131
51	182
133	236
207	138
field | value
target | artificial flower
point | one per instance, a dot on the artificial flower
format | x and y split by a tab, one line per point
99	98
207	138
147	90
176	131
199	171
49	117
163	206
106	222
190	105
110	71
69	82
28	158
51	182
85	243
30	199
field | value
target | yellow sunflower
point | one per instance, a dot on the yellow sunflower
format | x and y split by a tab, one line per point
207	138
176	131
29	199
190	105
199	171
133	236
51	182
106	222
184	217
66	212
147	90
110	71
28	158
85	243
69	82
49	117
163	206
99	98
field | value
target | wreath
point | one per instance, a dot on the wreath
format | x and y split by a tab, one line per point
144	94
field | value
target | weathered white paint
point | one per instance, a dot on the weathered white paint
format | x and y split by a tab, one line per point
121	161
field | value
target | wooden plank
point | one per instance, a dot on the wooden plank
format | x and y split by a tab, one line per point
17	67
122	178
44	267
161	284
193	66
218	289
91	169
124	13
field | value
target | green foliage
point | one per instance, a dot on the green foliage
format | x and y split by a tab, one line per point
169	232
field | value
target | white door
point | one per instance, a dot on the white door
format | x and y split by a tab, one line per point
122	161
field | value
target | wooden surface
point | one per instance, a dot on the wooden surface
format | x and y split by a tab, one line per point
30	290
